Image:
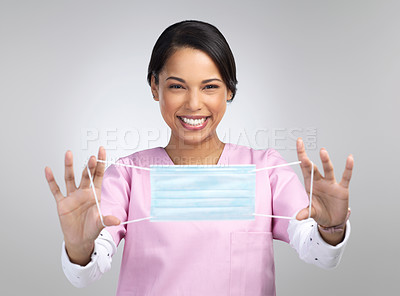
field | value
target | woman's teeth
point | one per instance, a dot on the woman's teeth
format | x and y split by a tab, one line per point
193	122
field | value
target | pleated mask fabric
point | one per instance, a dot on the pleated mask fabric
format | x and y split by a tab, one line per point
202	192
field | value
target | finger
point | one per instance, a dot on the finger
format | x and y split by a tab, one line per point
55	190
85	182
111	220
99	173
303	214
302	156
347	172
327	165
108	221
69	173
306	162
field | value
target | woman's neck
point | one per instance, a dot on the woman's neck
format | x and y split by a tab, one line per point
207	152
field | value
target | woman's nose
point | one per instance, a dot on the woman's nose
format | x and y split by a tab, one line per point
194	101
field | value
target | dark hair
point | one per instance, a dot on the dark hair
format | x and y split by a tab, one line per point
197	35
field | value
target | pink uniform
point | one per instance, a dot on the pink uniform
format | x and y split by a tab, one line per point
200	257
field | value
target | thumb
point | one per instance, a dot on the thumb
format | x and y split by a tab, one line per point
111	220
303	214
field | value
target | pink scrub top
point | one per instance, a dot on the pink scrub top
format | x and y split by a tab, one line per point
200	257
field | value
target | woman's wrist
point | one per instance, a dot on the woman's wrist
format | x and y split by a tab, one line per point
337	228
334	235
80	254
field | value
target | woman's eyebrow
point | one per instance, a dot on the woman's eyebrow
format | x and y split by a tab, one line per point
183	81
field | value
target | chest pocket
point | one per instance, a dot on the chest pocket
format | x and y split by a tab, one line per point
252	269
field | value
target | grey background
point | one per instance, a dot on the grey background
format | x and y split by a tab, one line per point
72	66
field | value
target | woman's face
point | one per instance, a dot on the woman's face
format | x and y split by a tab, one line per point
192	96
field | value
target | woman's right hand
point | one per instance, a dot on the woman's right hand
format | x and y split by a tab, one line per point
78	213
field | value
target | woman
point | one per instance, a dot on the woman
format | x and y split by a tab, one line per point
192	75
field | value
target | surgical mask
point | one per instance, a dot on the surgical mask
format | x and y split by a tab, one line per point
202	192
192	192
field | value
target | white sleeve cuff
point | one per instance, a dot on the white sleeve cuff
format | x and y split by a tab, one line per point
311	247
101	258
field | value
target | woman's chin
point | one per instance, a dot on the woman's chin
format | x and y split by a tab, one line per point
192	139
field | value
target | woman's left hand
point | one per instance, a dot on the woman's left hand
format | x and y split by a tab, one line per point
330	200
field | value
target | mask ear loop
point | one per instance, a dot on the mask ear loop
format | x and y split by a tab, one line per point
97	200
277	166
125	165
311	189
95	196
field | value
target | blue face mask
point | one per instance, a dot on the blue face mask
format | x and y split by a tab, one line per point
208	192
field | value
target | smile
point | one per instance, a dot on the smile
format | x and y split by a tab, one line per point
194	122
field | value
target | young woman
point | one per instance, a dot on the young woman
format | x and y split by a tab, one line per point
192	76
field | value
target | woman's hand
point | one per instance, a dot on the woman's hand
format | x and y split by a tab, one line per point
330	200
78	213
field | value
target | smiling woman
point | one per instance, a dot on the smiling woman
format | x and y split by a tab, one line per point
192	102
192	76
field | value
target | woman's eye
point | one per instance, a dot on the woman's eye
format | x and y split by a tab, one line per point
211	86
176	86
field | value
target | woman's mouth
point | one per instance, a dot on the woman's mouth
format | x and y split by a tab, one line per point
194	122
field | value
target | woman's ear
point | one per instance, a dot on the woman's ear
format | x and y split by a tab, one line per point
230	95
154	88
